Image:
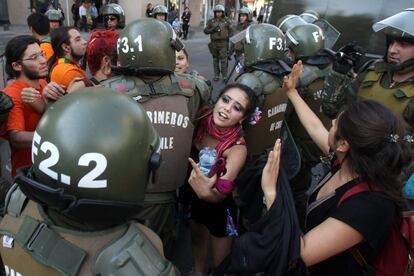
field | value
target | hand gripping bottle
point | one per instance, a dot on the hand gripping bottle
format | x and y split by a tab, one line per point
207	159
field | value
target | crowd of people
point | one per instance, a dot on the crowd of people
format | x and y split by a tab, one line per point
109	136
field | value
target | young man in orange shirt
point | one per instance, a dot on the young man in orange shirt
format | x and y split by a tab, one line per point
39	26
26	62
69	48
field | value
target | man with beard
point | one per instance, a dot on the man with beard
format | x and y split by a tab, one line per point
25	61
69	48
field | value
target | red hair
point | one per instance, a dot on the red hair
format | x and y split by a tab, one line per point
101	43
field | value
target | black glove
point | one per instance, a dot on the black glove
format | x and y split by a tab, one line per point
217	29
6	103
342	63
355	53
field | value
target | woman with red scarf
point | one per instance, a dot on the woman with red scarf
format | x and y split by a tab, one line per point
213	210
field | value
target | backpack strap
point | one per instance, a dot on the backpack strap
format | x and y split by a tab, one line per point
359	188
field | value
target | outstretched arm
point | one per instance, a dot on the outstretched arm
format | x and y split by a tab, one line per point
309	120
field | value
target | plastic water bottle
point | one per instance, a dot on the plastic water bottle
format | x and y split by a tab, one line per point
207	159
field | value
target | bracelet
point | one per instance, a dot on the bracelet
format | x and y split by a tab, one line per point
224	186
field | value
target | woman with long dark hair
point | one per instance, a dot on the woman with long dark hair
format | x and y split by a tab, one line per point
367	144
213	210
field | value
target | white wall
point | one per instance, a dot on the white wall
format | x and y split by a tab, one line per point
19	10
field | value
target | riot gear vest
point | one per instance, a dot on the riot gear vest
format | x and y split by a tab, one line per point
398	98
267	121
310	87
171	103
34	245
220	28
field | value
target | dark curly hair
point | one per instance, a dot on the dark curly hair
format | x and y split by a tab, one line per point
377	157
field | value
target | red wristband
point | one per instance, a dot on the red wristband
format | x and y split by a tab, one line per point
224	186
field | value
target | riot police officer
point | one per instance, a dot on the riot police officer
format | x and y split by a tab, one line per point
70	213
219	29
146	54
114	16
389	80
245	19
55	18
264	49
305	42
160	12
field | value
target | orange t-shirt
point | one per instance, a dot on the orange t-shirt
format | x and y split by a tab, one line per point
22	117
64	72
47	49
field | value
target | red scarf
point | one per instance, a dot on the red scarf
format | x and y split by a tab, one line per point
227	137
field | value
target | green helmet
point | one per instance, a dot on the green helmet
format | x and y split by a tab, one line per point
310	16
263	42
54	15
397	26
93	151
246	11
160	9
289	21
305	40
148	45
118	11
219	8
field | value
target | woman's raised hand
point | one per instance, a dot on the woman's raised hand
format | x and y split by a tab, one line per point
290	82
271	173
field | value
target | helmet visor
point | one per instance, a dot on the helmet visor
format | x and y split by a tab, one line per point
401	21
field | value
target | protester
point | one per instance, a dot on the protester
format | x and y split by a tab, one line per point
25	61
213	211
75	14
82	16
186	17
176	24
261	15
148	12
93	11
181	61
172	14
39	26
369	144
69	48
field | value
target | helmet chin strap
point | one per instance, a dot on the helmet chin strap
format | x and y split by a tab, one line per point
391	67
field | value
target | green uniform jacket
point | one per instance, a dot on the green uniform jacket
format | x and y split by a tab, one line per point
37	246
